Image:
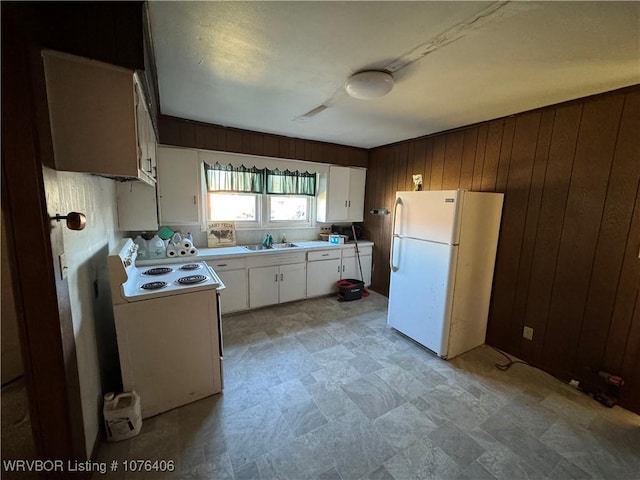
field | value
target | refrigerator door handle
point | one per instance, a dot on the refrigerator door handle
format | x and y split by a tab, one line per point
393	237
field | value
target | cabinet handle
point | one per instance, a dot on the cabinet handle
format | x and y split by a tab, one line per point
338	268
276	278
345	203
349	202
325	254
281	276
343	268
194	200
221	265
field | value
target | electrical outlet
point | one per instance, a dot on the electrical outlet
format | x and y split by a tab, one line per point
528	333
325	229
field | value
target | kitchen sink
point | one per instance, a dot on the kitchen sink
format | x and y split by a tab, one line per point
255	248
283	245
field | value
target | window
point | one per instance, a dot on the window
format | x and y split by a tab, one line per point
236	207
261	197
285	208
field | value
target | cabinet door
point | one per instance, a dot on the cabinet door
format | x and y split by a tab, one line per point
234	296
137	210
142	134
350	268
357	180
293	282
338	198
322	277
178	186
263	286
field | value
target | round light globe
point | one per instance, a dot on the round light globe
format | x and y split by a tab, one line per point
369	84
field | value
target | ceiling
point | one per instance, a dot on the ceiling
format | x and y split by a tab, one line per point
263	65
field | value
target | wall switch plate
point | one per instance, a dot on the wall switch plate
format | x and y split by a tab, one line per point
528	333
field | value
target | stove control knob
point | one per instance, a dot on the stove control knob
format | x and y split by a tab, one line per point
128	262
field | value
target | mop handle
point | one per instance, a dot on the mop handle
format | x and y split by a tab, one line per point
355	240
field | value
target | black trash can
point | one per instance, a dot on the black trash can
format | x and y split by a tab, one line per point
350	289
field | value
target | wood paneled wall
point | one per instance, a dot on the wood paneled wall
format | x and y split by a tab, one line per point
186	133
567	262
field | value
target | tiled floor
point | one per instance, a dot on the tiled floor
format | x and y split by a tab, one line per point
321	389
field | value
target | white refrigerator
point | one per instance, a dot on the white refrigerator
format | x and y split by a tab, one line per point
442	257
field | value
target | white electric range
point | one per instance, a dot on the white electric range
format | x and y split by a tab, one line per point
169	330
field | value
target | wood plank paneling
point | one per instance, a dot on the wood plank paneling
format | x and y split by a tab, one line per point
517	159
492	156
567	261
186	133
587	191
610	249
470	144
437	162
452	160
531	224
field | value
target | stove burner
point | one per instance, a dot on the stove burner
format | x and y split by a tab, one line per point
191	266
157	271
154	285
191	279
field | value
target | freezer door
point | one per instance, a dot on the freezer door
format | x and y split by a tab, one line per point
421	292
430	215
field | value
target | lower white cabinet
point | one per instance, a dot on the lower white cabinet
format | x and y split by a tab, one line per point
323	271
277	284
350	267
326	267
234	296
233	273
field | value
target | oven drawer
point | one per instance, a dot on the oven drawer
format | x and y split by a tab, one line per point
228	264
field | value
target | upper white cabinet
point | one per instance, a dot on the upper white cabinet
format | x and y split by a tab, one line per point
137	208
99	120
179	186
341	195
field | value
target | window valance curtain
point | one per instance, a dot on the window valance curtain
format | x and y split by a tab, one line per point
227	178
286	182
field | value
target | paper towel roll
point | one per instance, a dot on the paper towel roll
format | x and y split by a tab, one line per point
193	251
187	244
172	251
182	252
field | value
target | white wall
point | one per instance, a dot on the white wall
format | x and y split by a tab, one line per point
86	254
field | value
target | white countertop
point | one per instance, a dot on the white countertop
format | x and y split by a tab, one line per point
230	252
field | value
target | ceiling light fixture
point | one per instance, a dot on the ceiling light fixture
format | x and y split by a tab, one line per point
369	84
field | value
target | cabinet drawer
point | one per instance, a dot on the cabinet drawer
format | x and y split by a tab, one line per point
351	251
223	264
323	255
275	259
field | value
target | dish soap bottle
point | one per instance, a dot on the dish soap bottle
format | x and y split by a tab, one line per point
268	240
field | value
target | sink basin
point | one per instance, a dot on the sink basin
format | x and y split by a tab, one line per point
254	248
284	245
